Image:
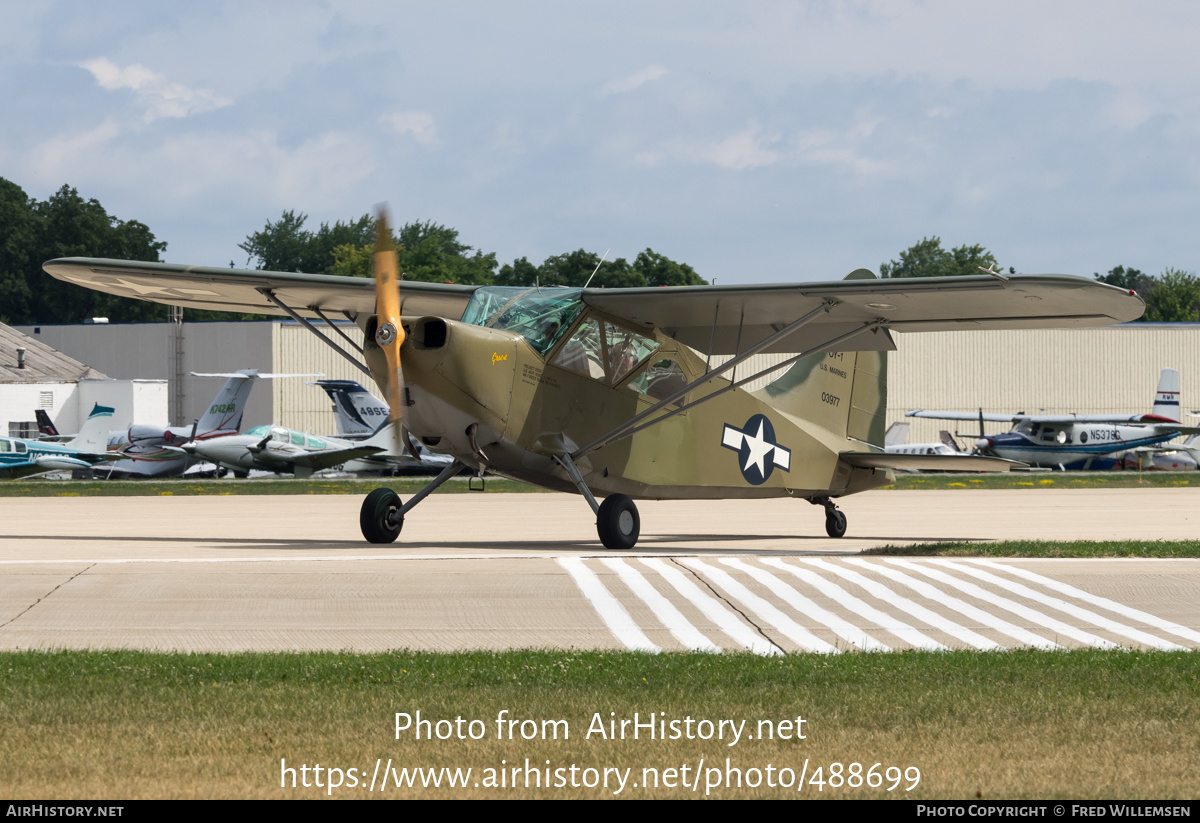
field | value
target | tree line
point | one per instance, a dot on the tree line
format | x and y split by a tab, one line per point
67	225
1171	297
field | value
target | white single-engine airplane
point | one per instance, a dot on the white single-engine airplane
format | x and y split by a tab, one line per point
1078	441
612	392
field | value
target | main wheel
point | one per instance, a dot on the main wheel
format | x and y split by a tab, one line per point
618	523
380	518
835	523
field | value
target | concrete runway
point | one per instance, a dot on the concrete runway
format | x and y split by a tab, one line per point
501	571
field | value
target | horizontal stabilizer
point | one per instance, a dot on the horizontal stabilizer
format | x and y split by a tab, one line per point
929	462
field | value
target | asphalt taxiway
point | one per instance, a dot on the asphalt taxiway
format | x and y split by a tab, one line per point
501	571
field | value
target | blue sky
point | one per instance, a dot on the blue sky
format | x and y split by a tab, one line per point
760	142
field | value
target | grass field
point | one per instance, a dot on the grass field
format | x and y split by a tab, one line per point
1047	548
1025	724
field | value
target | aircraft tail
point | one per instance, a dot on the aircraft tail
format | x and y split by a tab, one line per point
844	392
359	412
896	435
1166	398
225	412
45	426
93	434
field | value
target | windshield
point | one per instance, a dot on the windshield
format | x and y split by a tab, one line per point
541	316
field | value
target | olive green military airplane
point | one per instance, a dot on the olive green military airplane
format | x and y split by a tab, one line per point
613	393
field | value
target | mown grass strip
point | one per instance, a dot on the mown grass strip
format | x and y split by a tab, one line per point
1022	724
1046	548
1047	480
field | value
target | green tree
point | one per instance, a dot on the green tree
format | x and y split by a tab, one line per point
17	230
1174	298
286	245
66	225
658	270
929	259
432	252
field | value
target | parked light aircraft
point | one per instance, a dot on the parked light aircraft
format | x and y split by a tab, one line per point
896	437
156	451
1078	441
283	450
22	458
361	414
612	393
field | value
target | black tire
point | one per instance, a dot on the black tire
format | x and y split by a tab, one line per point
835	524
240	474
374	518
618	523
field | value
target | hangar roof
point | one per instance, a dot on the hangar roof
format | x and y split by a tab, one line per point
42	363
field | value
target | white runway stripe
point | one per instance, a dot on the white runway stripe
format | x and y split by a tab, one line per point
671	617
842	628
789	628
712	608
611	612
1012	606
1075	611
922	588
1095	600
860	607
961	633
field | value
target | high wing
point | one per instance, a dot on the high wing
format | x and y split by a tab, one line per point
244	290
991	417
858	311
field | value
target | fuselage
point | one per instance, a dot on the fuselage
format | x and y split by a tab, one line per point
533	374
1070	445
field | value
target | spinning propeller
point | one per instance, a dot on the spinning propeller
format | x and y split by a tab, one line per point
389	332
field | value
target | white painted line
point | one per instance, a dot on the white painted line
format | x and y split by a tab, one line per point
1097	620
843	598
1095	600
712	608
611	612
842	628
1022	636
904	604
671	617
799	635
1032	615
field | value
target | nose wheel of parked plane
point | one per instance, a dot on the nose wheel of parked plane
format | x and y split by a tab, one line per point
380	517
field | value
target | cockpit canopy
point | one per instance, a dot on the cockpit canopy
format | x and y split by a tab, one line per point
539	315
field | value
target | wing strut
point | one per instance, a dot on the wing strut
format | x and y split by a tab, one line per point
315	310
270	295
627	427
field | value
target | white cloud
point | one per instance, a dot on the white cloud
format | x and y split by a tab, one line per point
634	81
160	96
417	124
747	149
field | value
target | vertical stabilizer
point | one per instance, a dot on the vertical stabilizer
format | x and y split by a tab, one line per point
225	412
358	412
93	435
1166	399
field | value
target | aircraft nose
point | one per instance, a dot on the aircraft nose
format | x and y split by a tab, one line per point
983	443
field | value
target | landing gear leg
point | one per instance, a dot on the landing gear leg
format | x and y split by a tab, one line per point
382	514
617	522
835	519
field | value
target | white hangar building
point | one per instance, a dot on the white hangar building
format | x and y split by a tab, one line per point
33	375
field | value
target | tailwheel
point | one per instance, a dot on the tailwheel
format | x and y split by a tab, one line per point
617	522
380	518
835	523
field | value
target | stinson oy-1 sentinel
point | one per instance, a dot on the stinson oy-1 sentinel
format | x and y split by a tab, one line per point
614	393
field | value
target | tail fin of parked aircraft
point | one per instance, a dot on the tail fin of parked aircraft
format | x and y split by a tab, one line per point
93	434
359	412
225	411
1166	398
45	426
